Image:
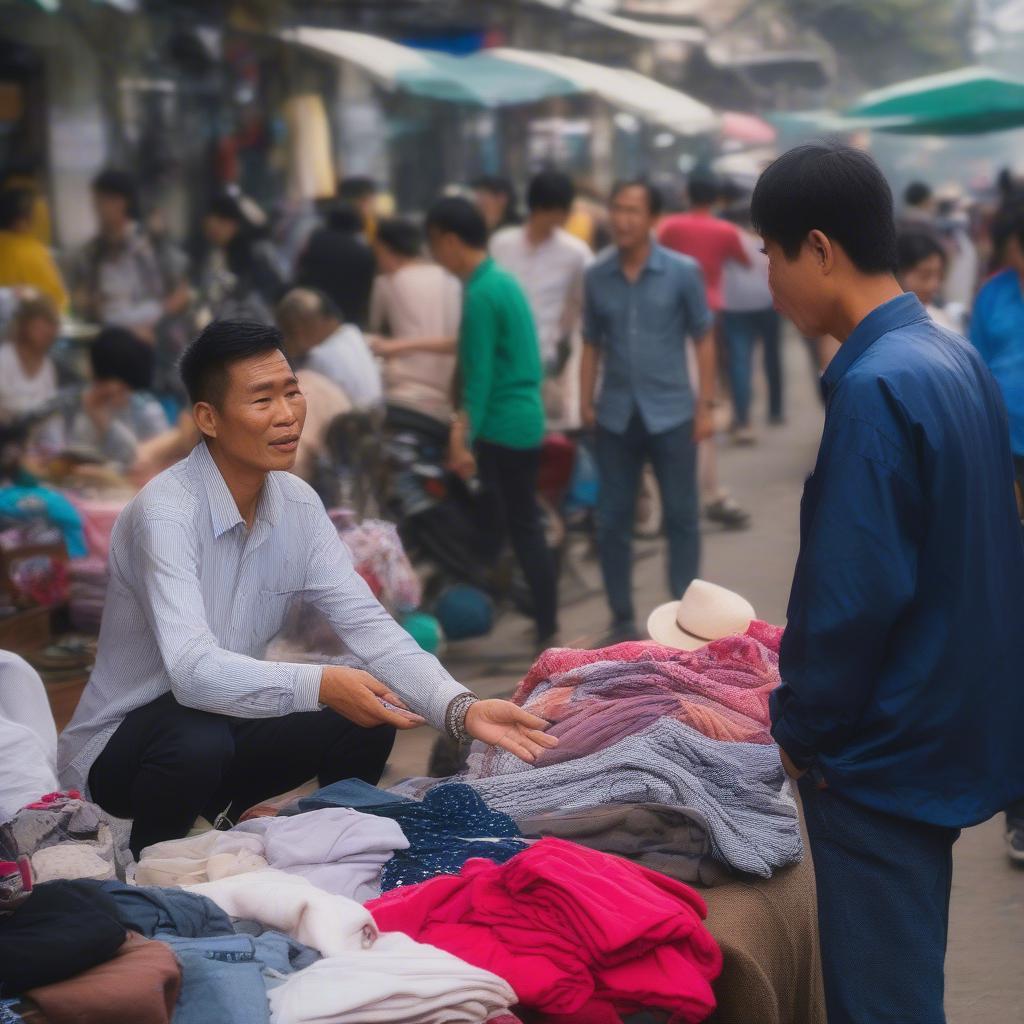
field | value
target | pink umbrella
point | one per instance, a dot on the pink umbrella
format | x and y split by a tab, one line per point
746	128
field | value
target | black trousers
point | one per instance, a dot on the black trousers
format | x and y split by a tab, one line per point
167	764
509	476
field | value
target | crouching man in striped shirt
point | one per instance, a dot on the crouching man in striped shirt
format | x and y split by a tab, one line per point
181	717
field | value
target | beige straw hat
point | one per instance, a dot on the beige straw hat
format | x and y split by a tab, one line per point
707	612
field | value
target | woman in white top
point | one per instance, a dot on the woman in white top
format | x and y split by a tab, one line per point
418	305
28	378
921	265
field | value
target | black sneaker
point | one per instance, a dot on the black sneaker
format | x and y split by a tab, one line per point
1015	841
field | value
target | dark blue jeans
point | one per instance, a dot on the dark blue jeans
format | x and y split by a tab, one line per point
883	909
741	333
620	460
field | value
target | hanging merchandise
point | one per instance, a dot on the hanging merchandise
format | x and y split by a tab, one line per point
310	167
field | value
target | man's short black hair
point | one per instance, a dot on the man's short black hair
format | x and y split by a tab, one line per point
15	205
914	246
116	354
345	218
917	193
654	200
204	364
550	190
356	187
226	206
401	235
703	190
833	189
1011	224
458	216
112	182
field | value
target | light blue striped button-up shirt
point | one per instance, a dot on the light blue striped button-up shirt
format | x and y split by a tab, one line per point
195	597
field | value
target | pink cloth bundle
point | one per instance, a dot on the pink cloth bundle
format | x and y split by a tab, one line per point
596	698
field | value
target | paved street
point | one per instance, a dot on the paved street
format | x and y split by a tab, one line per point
985	980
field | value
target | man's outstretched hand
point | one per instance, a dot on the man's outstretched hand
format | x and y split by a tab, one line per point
357	696
504	724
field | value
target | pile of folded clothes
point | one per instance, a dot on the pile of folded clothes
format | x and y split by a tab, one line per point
555	892
90	952
66	837
267	922
677	736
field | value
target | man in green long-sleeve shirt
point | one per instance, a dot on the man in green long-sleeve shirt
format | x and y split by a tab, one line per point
501	424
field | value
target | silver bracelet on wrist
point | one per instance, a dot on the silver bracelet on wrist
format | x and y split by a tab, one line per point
455	716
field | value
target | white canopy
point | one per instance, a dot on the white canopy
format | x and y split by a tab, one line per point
628	90
657	31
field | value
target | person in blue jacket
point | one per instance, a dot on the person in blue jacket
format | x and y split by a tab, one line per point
901	706
997	331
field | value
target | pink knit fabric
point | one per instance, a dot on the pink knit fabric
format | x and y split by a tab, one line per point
595	698
733	650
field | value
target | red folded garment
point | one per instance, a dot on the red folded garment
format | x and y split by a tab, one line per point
569	928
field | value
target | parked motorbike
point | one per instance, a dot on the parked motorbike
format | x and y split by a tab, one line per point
399	469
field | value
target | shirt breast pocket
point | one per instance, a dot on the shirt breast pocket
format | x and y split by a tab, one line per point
272	610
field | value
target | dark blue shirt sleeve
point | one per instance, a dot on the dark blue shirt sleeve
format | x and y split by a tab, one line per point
593	331
699	317
979	324
855	576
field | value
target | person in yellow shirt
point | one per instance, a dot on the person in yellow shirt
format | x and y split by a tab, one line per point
24	260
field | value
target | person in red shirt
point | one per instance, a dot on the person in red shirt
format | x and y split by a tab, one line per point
712	242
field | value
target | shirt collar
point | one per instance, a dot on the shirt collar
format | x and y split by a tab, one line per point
485	264
224	514
898	312
657	260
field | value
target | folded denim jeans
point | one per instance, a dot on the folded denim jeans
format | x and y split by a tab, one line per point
221	980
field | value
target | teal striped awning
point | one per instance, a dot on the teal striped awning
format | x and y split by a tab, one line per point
505	77
479	80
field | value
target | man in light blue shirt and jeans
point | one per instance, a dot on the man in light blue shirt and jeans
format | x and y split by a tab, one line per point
641	303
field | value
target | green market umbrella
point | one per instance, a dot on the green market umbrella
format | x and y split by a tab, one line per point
969	101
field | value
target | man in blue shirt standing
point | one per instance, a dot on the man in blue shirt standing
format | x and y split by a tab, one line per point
641	302
900	708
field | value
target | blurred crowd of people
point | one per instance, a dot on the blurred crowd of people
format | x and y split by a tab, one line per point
500	324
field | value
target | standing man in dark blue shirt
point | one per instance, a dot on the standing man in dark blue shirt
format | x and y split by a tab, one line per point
901	706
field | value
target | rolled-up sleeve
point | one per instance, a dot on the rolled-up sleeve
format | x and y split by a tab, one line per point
203	674
386	650
855	576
